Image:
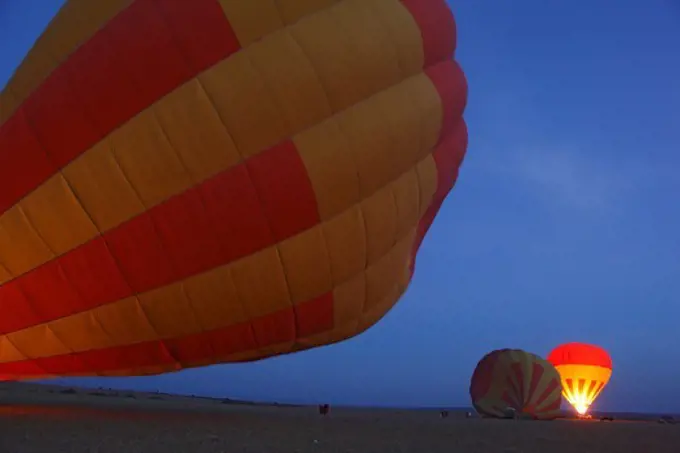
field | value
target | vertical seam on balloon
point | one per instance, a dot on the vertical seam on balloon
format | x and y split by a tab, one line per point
32	226
4	267
70	350
401	78
93	314
352	153
159	339
393	197
114	259
377	17
87	213
112	151
271	95
296	326
257	193
324	89
203	208
365	267
91	219
242	302
26	357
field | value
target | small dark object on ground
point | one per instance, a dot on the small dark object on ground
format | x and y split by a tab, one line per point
324	409
667	419
510	413
606	419
444	414
68	392
97	394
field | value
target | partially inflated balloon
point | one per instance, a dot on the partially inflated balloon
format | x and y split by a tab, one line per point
515	379
585	370
185	183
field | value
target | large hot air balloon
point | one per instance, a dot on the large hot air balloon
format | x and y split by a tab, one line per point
585	370
185	183
516	380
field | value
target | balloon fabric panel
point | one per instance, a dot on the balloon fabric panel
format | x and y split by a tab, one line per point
264	192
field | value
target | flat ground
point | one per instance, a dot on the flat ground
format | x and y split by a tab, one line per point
37	418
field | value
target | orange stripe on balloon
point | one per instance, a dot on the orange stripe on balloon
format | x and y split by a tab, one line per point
157	47
308	318
247	208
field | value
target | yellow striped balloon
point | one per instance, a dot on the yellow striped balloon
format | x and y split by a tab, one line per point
512	379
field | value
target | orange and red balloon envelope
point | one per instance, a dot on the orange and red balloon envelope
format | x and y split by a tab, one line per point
184	183
585	370
519	380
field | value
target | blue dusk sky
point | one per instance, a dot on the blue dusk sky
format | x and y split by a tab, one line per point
564	224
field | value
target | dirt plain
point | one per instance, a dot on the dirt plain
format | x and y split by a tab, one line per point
39	418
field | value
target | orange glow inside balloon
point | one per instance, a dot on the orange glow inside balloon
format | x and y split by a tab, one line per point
584	371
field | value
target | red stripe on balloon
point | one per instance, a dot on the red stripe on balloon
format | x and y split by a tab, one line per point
451	85
580	354
140	55
438	30
437	27
519	378
243	209
306	319
448	156
234	214
554	384
552	407
537	372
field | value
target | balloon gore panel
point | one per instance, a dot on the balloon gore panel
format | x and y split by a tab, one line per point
198	182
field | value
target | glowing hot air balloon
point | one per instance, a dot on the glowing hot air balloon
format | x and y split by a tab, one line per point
517	380
584	369
185	183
